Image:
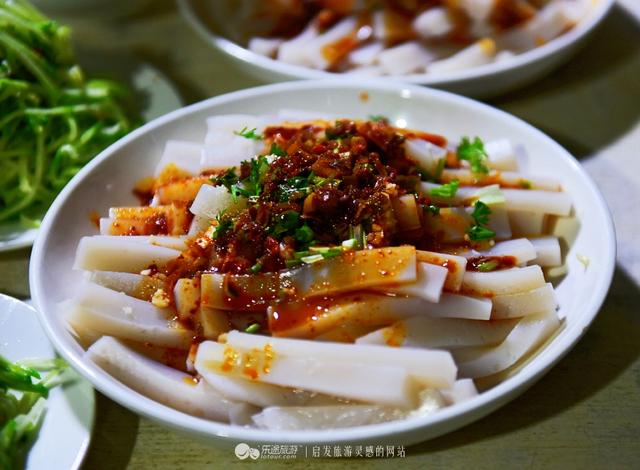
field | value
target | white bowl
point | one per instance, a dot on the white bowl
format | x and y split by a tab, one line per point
107	181
480	82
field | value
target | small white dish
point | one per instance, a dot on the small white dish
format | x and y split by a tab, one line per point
107	181
480	82
66	430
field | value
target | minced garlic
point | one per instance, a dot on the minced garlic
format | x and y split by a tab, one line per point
160	299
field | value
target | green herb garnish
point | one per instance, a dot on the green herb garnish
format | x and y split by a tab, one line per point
277	150
249	133
304	234
225	224
480	215
448	190
478	233
525	184
431	209
474	153
227	179
378	118
253	328
487	266
256	268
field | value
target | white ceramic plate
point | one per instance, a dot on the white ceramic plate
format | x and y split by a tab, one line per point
66	429
161	98
107	181
480	82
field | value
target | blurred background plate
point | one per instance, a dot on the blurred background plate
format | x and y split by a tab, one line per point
222	24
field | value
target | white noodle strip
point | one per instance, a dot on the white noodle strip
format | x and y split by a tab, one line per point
233	153
548	253
294	418
116	314
502	155
294	51
265	46
456	267
498	221
506	281
431	368
185	155
547	24
447	333
459	306
159	382
528	334
478	10
479	53
121	282
186	294
211	200
425	154
520	248
177	242
433	23
247	390
405	58
366	55
114	253
542	299
405	211
546	202
429	283
504	178
462	390
315	56
526	223
223	129
373	383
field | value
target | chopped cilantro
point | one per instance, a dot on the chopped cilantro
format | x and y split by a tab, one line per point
446	190
487	266
250	187
477	233
378	118
227	179
480	216
256	267
248	133
286	222
277	150
474	153
304	234
431	209
225	224
253	328
481	213
312	258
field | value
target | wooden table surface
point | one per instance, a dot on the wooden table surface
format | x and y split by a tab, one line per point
585	413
